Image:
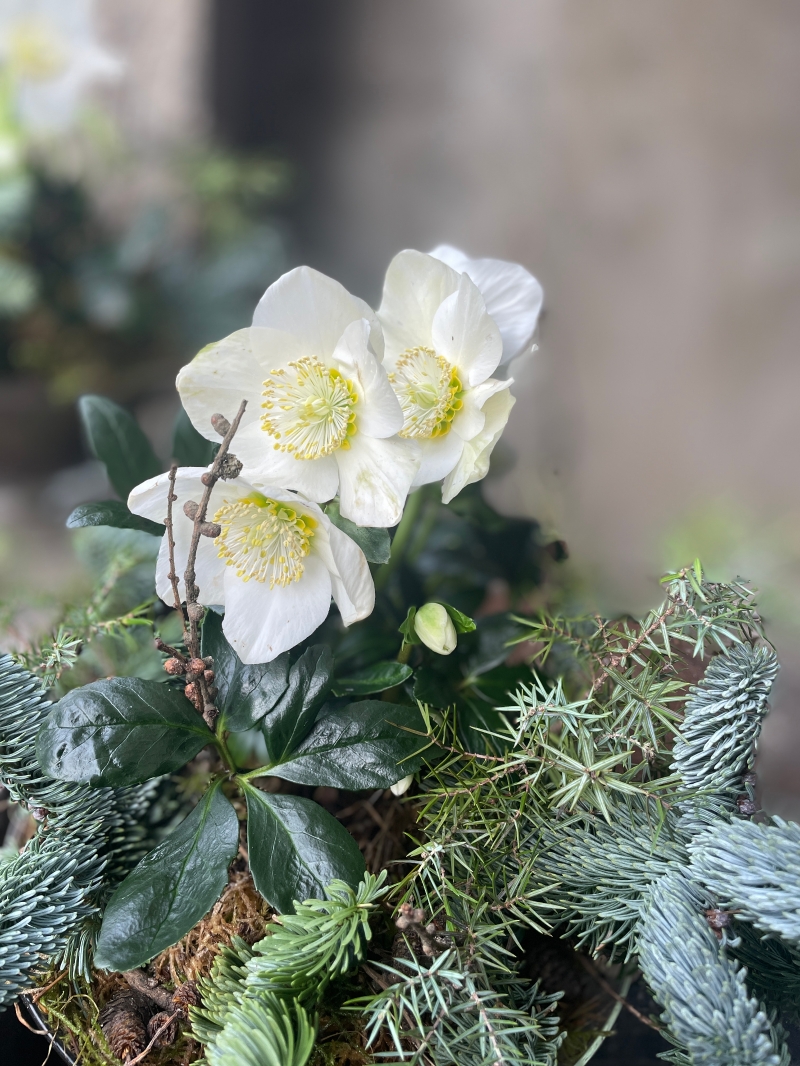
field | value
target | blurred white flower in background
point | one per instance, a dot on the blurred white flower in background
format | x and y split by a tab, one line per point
442	347
49	54
512	295
322	416
274	566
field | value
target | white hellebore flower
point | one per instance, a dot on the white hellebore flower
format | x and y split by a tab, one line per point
273	567
512	295
441	349
51	51
321	414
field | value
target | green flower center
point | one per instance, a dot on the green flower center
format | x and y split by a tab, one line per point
310	409
264	539
429	391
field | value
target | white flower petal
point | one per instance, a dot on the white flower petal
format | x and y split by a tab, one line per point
415	286
471	419
318	479
375	477
149	500
465	334
512	295
378	413
218	379
438	457
315	309
353	587
474	462
260	622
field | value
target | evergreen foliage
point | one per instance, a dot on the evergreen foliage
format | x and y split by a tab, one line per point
50	895
754	870
459	1015
254	993
710	1013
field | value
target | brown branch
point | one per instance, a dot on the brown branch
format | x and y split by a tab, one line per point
173	576
150	988
592	969
617	658
209	479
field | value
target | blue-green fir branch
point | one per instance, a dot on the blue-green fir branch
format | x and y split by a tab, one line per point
753	869
709	1012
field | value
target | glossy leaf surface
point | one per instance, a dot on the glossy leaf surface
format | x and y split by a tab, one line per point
120	731
289	723
171	888
111	513
376	678
296	848
246	693
374	541
370	744
114	437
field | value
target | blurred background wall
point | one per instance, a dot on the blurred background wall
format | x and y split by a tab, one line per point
642	159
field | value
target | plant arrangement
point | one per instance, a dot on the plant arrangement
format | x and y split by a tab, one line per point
578	793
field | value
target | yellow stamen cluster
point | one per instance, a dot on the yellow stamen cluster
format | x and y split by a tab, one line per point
310	409
34	50
264	539
429	391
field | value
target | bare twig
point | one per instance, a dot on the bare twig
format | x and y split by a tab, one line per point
151	1045
587	965
149	987
173	575
198	684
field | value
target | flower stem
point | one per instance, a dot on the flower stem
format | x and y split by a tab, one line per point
260	771
401	537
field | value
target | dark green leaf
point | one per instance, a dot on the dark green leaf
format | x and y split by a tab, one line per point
115	438
500	683
407	628
462	622
432	687
375	678
111	513
190	448
296	848
365	745
372	540
495	633
246	693
171	888
474	722
295	712
120	731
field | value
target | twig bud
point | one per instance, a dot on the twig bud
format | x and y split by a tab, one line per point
209	661
746	806
195	612
210	529
197	666
175	667
230	467
38	813
191	692
220	424
207	478
190	509
208	676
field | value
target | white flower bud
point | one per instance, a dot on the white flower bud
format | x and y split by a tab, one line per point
435	629
399	788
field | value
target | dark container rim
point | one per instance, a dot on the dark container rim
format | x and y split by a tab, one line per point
42	1027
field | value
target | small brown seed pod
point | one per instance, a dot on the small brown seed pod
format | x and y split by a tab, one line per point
195	612
185	996
38	813
196	666
209	661
190	509
220	424
210	529
169	1034
207	478
175	667
208	676
190	692
746	806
